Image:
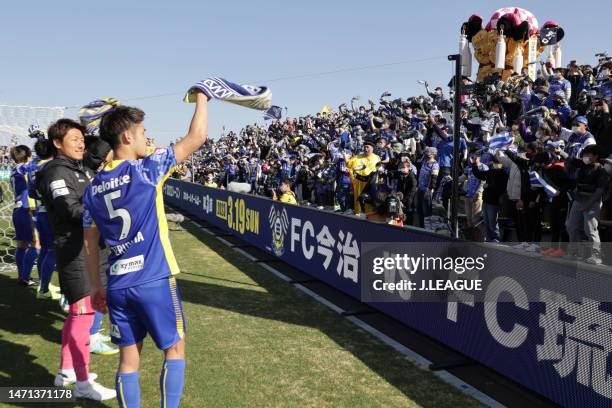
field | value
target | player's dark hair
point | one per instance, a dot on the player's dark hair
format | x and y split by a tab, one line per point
20	153
117	121
59	129
43	149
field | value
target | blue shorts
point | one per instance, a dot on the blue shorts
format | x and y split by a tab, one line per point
22	221
45	233
153	308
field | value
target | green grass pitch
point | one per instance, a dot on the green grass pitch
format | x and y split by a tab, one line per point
252	341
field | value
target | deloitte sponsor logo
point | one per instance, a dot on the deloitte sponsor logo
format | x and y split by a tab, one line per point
110	184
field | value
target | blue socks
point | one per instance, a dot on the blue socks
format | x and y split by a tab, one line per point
27	263
41	254
97	323
19	254
128	390
46	268
171	383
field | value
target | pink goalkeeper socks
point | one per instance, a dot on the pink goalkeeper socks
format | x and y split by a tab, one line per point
75	339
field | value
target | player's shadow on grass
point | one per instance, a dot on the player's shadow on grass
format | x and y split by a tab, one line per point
18	367
281	302
22	313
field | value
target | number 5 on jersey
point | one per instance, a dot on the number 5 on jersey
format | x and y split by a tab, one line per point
118	212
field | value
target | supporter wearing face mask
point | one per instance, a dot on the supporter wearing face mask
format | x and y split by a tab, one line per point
577	138
590	184
526	207
553	172
496	179
406	183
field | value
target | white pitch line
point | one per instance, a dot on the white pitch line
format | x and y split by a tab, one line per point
410	355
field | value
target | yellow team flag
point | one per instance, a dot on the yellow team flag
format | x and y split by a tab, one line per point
325	110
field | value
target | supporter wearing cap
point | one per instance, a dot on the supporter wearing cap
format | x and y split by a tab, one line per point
577	138
591	183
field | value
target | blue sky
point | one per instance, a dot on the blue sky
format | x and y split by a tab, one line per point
65	53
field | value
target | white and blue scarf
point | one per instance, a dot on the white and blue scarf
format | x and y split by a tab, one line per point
538	181
501	141
253	97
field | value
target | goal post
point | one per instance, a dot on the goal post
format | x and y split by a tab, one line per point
14	123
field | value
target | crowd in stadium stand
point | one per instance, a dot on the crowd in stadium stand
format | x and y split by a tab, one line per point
536	157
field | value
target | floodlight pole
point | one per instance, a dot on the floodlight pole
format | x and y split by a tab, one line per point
456	143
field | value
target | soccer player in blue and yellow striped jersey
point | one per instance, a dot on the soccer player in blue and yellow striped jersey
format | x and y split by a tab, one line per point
124	206
26	252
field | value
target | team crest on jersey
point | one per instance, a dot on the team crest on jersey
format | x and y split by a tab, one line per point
279	224
115	331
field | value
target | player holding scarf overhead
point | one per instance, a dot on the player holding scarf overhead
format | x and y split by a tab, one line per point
124	205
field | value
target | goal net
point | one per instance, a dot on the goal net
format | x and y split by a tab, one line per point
14	123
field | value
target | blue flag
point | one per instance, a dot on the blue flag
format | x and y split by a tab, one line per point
275	112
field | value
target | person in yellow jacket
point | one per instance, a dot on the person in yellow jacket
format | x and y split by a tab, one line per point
363	167
286	196
210	181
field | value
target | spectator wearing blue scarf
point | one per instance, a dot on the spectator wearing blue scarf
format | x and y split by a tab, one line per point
577	138
428	174
344	196
473	195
